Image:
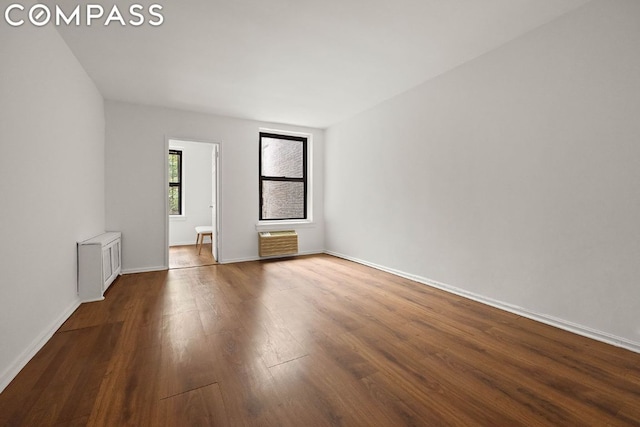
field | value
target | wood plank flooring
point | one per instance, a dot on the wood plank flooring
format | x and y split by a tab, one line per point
187	256
313	341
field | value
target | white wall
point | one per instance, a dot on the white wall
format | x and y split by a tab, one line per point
514	177
52	166
136	188
196	192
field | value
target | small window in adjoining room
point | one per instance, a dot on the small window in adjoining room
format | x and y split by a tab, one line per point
175	182
283	177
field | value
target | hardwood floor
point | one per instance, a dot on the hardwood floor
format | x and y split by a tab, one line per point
313	341
187	256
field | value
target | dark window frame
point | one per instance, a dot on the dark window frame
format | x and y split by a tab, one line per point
263	178
179	183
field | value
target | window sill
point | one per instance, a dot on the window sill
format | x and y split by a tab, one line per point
177	217
283	225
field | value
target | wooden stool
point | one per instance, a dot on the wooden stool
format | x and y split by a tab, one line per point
202	231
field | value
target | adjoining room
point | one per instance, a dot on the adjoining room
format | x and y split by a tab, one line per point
193	208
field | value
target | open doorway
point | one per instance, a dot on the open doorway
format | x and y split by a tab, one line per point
192	199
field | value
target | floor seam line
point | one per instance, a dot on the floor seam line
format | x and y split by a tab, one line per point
188	391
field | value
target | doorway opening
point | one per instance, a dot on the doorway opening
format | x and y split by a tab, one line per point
193	172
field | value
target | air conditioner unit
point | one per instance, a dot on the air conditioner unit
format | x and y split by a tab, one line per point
273	243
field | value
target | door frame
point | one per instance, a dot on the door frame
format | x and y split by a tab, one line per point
218	192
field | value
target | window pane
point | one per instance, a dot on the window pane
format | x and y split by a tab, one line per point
282	158
174	168
282	200
174	201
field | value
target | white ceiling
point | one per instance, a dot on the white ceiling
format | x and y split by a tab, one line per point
304	62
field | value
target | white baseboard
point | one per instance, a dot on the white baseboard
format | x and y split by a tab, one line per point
539	317
144	269
259	258
189	243
14	369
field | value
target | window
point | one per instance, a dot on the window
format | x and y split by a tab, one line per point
175	182
283	177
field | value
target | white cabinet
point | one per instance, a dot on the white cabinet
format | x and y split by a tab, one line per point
98	265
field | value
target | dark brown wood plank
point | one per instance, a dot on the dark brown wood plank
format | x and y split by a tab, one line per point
200	407
66	389
129	391
313	340
247	387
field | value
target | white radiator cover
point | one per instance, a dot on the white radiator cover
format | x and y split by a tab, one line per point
99	264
